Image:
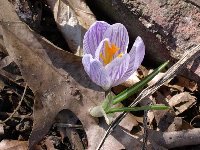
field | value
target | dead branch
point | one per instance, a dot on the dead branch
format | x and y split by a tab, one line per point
175	139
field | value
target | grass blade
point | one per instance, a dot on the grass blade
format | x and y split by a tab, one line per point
128	109
138	86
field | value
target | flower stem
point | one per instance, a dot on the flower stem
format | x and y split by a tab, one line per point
107	103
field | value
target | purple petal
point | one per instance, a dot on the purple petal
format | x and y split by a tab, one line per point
87	58
118	35
136	53
136	56
117	68
94	36
96	71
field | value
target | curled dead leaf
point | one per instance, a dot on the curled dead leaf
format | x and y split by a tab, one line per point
181	102
73	18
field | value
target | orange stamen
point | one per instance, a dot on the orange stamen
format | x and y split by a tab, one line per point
109	53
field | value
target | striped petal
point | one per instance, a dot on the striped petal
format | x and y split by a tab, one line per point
94	36
117	68
96	71
136	53
87	58
118	35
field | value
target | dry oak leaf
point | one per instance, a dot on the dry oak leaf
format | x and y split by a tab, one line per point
182	102
59	82
13	144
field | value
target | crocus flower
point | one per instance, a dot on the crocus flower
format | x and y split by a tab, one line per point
105	59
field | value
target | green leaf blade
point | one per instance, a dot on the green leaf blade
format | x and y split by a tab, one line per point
138	86
129	109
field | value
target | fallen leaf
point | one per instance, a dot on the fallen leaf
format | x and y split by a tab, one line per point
73	18
156	78
150	116
13	144
133	79
179	124
188	84
49	143
176	88
164	118
182	102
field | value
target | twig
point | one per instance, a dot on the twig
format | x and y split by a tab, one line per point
145	135
74	139
175	139
17	108
187	57
67	125
27	116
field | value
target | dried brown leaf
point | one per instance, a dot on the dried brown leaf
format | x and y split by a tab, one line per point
133	79
13	144
164	119
156	78
129	122
182	102
150	116
188	84
179	124
72	18
49	143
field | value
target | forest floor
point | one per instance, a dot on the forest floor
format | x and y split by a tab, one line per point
17	97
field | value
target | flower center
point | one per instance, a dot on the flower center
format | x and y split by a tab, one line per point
109	53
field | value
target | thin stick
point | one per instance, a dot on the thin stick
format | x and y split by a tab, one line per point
145	135
17	108
67	125
187	57
175	139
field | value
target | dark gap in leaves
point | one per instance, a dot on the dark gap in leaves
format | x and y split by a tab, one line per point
5	104
24	129
55	137
49	28
14	86
10	131
136	129
64	118
2	55
189	113
99	14
13	69
192	147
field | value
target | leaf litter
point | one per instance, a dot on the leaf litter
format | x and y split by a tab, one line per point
61	89
56	87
